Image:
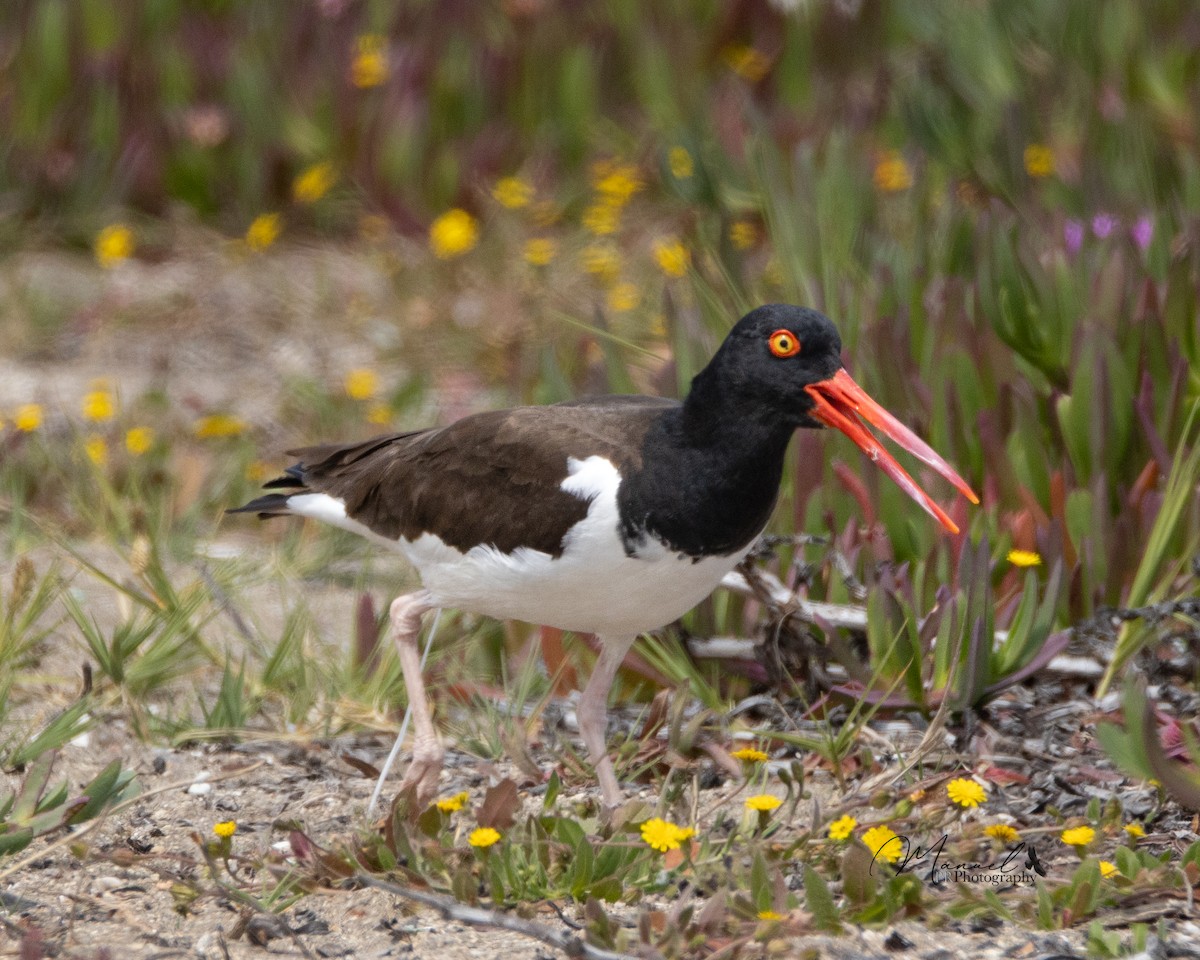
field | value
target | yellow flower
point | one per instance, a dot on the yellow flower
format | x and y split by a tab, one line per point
1135	830
601	218
672	257
883	843
28	417
1078	836
138	440
966	793
512	192
763	802
263	231
769	915
743	234
113	244
623	297
892	174
540	251
454	804
1002	832
98	406
1024	558
225	829
662	835
453	233
749	64
750	755
96	450
370	65
217	425
379	413
601	261
680	162
483	837
1107	868
1039	160
842	827
313	182
361	384
617	184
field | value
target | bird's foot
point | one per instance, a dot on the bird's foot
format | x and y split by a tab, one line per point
421	778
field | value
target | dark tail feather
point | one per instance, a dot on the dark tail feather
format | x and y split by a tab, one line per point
272	505
292	478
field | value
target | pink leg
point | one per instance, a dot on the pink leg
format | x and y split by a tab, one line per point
592	712
422	775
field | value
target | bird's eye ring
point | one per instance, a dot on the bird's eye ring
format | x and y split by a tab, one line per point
784	343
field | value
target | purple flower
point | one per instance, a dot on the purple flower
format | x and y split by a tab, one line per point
1073	236
1103	224
1142	232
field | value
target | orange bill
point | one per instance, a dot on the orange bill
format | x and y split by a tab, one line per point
843	404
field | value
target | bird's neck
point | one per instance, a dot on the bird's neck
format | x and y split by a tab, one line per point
710	475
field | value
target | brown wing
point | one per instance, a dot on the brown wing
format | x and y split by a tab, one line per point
490	478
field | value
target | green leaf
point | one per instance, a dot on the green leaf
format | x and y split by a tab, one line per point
819	902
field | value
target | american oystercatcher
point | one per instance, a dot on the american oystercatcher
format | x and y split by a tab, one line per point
609	515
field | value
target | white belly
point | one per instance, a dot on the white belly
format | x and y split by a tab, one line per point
593	586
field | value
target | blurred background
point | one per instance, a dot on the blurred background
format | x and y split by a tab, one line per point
227	228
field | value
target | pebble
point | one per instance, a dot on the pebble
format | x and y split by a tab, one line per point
200	789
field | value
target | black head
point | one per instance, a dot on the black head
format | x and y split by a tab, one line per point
780	367
771	356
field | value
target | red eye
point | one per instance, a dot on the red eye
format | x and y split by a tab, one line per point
784	343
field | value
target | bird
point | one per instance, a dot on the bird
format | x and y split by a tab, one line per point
610	515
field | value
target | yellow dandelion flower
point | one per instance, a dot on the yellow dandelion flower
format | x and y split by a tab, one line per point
966	793
750	755
672	257
263	231
361	384
680	162
369	68
96	450
743	234
483	837
513	192
601	261
1024	558
113	244
617	184
662	835
452	234
749	64
28	417
540	251
454	804
1003	833
601	219
1078	836
218	425
379	413
622	298
139	440
1135	830
1039	160
1107	868
98	406
314	182
225	829
769	915
842	827
892	174
763	802
883	843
